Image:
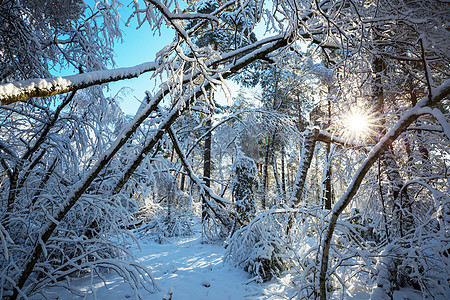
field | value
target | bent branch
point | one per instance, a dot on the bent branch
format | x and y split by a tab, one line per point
410	116
201	184
82	185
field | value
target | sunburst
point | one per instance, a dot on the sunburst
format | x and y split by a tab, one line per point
358	125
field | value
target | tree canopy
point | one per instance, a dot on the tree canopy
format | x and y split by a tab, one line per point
347	147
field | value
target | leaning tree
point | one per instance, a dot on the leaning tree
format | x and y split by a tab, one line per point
36	227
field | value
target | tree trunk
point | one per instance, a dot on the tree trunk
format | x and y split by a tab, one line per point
309	143
387	157
182	182
265	180
275	169
12	189
301	126
396	184
383	203
283	171
327	182
207	161
288	177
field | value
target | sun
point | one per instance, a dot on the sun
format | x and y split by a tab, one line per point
358	125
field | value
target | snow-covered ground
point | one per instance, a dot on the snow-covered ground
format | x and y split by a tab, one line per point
189	269
193	270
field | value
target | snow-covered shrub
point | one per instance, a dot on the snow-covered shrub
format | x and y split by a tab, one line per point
214	231
364	226
423	267
387	276
350	264
417	260
182	202
92	238
420	259
244	184
175	225
261	247
50	233
148	209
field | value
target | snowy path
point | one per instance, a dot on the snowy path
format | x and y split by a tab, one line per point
191	269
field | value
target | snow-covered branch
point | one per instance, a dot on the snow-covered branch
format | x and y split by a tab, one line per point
326	137
409	117
201	184
440	117
184	103
22	90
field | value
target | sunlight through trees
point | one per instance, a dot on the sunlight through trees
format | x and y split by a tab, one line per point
330	181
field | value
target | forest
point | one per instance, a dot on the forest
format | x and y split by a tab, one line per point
325	175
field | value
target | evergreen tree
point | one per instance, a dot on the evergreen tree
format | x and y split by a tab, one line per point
244	185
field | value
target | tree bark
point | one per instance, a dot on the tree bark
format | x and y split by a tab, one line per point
265	175
283	171
207	160
182	181
309	143
327	182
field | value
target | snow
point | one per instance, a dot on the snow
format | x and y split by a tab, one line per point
188	269
185	266
194	271
20	90
440	117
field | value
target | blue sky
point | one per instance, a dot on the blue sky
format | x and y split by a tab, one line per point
139	46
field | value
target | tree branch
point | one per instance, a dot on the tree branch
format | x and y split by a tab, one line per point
194	178
22	90
79	189
409	117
